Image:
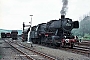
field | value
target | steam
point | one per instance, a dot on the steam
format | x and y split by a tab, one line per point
64	7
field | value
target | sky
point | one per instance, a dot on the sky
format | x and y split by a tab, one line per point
14	12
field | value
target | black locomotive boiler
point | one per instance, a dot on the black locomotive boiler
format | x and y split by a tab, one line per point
55	32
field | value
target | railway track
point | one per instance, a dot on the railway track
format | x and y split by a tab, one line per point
7	52
30	53
85	43
83	50
78	49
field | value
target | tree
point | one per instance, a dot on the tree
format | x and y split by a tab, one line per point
84	27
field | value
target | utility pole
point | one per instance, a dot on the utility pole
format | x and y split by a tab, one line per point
31	20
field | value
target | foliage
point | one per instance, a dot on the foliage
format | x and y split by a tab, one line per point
84	29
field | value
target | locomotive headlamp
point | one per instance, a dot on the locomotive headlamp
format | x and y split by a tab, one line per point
68	20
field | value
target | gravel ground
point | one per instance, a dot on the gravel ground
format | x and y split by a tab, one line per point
62	55
9	53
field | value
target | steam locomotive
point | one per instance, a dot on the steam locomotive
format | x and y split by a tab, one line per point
55	32
14	34
3	35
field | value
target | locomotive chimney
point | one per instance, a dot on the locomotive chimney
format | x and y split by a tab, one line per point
62	16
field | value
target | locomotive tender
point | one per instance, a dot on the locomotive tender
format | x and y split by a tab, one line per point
55	32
